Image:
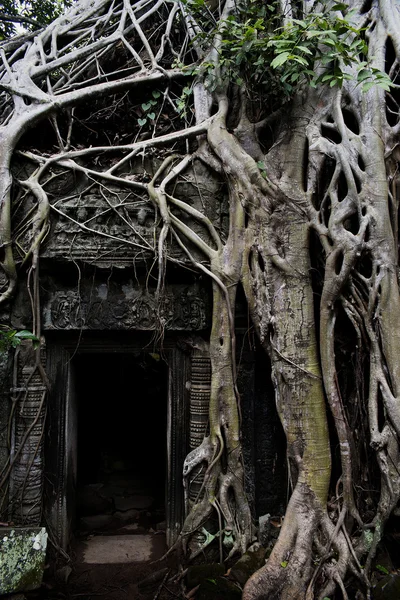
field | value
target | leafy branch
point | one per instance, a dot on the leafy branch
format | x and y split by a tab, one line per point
314	50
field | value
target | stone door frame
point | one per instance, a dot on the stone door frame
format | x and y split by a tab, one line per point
61	431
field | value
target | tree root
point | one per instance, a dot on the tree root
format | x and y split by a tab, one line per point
288	573
222	492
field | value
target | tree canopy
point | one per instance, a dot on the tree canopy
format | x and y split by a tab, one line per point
294	108
28	15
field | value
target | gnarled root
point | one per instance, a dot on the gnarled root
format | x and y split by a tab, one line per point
287	572
222	492
308	545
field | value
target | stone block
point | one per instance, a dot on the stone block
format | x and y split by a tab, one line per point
116	549
91	502
127	515
95	522
22	558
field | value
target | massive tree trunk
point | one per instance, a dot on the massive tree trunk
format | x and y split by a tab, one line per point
312	199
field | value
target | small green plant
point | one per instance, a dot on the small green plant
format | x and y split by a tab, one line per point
182	102
263	170
11	338
148	109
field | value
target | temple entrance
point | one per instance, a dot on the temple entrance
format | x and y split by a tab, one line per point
118	433
122	402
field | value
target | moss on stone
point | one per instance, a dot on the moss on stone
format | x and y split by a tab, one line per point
22	558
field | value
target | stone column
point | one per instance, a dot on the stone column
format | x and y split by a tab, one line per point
199	401
27	447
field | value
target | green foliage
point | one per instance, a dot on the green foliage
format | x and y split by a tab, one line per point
314	50
31	14
11	338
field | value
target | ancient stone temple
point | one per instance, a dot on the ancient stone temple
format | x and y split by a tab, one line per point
119	393
127	376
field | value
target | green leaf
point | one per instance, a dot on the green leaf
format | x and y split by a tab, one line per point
151	116
342	7
315	33
284	564
298	22
367	86
363	74
25	335
299	59
142	122
156	94
280	60
329	42
304	49
382	569
146	106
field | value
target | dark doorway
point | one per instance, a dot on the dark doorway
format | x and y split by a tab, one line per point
122	401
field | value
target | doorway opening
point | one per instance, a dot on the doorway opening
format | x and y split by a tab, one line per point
122	401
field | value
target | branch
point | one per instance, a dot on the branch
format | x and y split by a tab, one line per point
163	139
193	237
102	233
20	19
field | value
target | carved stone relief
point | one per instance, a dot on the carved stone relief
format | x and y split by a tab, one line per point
114	225
105	236
111	307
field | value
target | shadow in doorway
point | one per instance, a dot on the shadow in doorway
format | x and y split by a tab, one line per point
122	417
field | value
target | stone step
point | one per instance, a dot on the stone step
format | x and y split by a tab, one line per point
113	549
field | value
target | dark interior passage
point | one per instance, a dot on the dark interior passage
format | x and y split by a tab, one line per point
122	418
